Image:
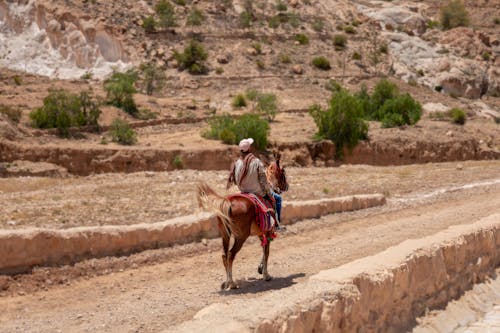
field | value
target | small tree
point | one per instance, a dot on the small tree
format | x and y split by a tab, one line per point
166	14
149	24
62	110
239	101
384	90
267	105
454	15
458	116
195	17
342	122
231	130
402	110
152	78
193	58
119	88
321	63
122	133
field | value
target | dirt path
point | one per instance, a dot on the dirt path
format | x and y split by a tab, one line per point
171	285
147	197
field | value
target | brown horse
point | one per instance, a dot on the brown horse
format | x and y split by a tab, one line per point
236	218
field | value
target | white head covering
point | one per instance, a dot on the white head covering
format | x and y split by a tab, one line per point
245	144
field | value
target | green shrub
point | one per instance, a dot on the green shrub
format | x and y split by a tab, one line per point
11	113
231	130
180	2
252	94
349	29
62	110
496	20
340	41
318	25
281	6
302	39
432	24
458	116
401	110
454	15
152	78
267	105
166	14
119	89
285	58
257	47
384	90
178	163
293	19
195	17
122	133
18	80
193	58
356	56
321	63
87	75
383	48
239	101
149	24
365	99
333	86
146	114
274	22
342	122
219	70
486	56
245	19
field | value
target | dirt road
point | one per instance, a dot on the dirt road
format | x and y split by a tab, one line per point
153	290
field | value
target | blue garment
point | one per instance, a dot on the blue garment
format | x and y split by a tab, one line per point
278	199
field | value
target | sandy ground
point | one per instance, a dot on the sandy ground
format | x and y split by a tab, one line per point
148	197
153	290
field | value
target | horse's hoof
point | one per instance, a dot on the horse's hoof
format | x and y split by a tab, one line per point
268	277
261	267
223	286
233	285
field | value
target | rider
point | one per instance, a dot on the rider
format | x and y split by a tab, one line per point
249	175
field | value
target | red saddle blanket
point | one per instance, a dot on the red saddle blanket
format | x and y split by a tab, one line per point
263	211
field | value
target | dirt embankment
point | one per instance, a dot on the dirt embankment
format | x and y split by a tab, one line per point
85	161
93	160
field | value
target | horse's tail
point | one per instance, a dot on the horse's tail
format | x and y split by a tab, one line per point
214	202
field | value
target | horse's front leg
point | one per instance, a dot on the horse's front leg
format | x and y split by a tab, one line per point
225	248
263	264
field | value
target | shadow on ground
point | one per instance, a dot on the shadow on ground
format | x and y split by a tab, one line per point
257	285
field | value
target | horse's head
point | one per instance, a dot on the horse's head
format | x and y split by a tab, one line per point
277	174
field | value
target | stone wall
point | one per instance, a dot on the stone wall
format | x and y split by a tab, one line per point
22	249
380	293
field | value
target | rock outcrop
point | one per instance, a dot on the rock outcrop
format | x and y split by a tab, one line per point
45	39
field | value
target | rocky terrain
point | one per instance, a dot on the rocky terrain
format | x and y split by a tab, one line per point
73	39
434	174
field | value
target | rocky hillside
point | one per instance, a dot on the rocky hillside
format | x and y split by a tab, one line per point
247	39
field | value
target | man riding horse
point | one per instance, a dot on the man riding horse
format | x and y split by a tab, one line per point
249	175
244	214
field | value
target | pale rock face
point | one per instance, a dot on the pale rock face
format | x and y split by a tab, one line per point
60	45
397	17
434	107
451	60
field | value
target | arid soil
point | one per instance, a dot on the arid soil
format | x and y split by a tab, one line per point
153	197
153	290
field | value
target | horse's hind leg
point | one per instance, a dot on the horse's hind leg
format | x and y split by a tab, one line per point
263	264
238	243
